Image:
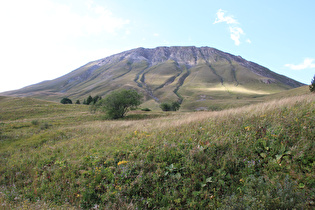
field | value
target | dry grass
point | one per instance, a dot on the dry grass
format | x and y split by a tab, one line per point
184	118
79	141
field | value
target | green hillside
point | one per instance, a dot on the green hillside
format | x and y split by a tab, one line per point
61	156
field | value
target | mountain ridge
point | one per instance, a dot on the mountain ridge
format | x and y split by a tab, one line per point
164	74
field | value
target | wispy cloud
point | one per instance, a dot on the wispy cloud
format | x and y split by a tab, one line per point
308	63
236	33
222	18
235	30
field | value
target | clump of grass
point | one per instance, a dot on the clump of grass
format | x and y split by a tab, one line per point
259	156
35	122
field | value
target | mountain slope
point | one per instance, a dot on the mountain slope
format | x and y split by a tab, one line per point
191	75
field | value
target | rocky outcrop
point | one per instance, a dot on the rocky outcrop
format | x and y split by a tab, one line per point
192	56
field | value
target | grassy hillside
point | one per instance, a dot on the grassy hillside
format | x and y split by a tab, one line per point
62	156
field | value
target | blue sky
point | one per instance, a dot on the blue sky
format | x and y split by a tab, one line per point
45	39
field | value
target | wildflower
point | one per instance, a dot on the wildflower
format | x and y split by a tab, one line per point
122	162
247	128
241	180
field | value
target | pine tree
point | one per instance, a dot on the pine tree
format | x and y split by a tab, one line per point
312	86
89	100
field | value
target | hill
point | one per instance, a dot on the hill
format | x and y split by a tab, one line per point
61	156
196	77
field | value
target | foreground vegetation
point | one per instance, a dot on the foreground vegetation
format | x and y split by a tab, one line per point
62	156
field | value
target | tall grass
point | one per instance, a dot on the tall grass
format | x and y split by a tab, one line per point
258	156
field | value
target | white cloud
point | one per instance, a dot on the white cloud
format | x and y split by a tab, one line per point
220	18
248	41
308	63
156	34
235	31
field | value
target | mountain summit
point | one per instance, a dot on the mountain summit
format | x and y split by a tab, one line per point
194	76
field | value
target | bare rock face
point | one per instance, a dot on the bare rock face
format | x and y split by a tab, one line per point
192	56
162	74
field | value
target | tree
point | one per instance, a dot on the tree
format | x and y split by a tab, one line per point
165	106
174	106
96	98
77	102
118	103
89	100
312	86
66	101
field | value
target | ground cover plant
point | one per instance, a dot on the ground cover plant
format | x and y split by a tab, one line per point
62	156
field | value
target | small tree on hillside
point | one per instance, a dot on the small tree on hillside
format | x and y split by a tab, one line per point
312	86
165	106
174	106
96	99
89	100
118	103
66	101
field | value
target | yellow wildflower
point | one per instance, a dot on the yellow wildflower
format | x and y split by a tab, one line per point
122	162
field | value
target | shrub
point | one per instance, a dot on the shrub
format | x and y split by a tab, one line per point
66	101
35	122
118	103
174	106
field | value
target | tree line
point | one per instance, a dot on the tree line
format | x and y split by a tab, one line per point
88	101
116	104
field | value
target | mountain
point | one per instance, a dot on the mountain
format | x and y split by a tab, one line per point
198	77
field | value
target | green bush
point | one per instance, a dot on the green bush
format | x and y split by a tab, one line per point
174	106
66	101
118	103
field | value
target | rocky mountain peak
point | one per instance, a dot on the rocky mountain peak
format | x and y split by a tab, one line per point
185	74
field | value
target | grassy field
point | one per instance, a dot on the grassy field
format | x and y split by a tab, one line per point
56	156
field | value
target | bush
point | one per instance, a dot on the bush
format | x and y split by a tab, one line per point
66	101
118	103
174	106
146	109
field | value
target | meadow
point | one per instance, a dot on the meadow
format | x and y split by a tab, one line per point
56	156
